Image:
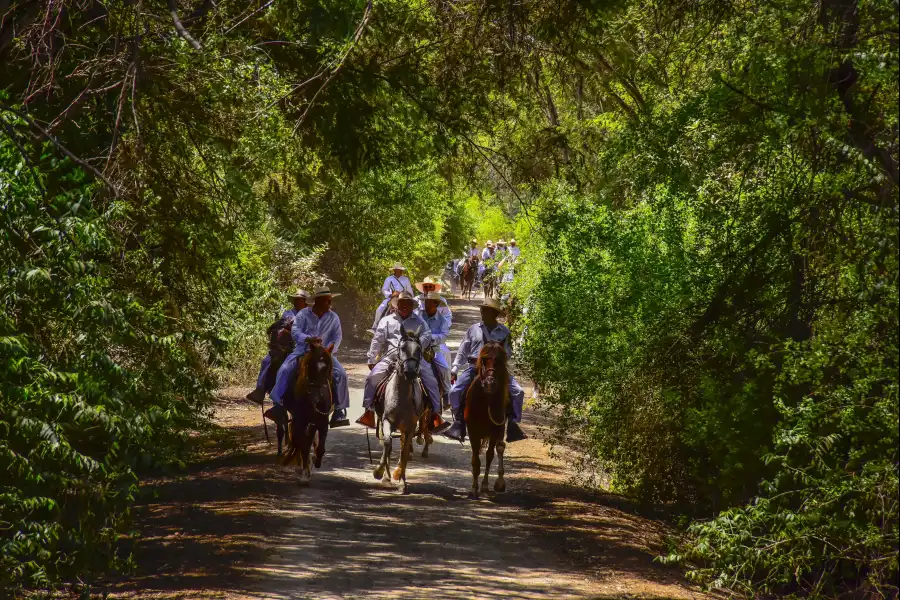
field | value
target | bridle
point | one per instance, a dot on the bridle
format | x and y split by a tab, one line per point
487	371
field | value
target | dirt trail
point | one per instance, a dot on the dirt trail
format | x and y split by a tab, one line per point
238	526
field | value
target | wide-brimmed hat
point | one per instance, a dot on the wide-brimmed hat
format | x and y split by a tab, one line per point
434	296
404	295
474	241
501	242
322	292
513	241
398	267
489	243
300	293
429	280
492	303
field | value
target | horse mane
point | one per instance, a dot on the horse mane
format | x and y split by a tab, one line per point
314	354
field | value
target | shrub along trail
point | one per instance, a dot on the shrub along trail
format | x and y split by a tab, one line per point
238	525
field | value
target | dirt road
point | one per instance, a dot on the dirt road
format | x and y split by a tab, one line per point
238	525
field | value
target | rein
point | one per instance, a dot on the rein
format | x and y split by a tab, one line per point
481	375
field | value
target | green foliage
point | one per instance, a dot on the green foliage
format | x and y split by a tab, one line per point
94	383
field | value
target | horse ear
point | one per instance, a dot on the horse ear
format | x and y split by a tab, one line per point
330	348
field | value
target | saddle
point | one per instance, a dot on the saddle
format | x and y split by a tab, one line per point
378	401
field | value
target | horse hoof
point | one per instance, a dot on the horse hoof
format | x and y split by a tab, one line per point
484	487
425	452
419	440
397	474
378	472
318	462
499	486
405	491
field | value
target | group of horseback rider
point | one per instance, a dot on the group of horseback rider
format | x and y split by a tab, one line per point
501	257
311	321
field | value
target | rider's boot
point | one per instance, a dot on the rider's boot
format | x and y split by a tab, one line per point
514	433
278	414
457	431
339	418
258	396
367	419
438	424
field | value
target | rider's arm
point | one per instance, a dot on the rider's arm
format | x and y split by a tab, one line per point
462	354
299	331
378	342
404	281
425	334
335	333
386	288
440	337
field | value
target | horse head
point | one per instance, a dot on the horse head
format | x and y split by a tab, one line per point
491	367
409	354
314	378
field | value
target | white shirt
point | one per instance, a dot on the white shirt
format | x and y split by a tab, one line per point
396	284
515	251
443	308
475	338
487	253
387	335
308	324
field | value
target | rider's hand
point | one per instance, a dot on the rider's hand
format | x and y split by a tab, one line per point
452	378
371	366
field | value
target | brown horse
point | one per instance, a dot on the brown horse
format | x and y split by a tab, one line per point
311	408
467	278
485	413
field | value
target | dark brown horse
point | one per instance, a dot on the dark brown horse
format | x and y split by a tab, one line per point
467	277
486	404
311	408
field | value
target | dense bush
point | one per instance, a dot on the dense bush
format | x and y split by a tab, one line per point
714	313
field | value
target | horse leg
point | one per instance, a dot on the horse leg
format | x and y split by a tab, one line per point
384	464
405	451
320	447
500	484
421	424
404	436
428	439
476	463
279	435
488	459
386	443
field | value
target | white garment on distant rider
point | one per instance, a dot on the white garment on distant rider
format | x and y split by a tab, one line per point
439	325
391	284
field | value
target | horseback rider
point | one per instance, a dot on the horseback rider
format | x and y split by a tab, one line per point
316	324
473	248
430	284
488	254
463	372
514	249
439	325
393	284
383	352
501	249
298	299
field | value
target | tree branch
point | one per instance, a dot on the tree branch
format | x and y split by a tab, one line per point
179	27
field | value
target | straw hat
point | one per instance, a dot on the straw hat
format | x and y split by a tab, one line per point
492	303
474	241
489	243
300	293
501	242
322	292
402	297
434	296
398	267
512	241
429	280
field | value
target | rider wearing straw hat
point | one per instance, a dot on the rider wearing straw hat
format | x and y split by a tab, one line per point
462	372
298	299
430	305
393	284
430	284
473	248
383	351
317	323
